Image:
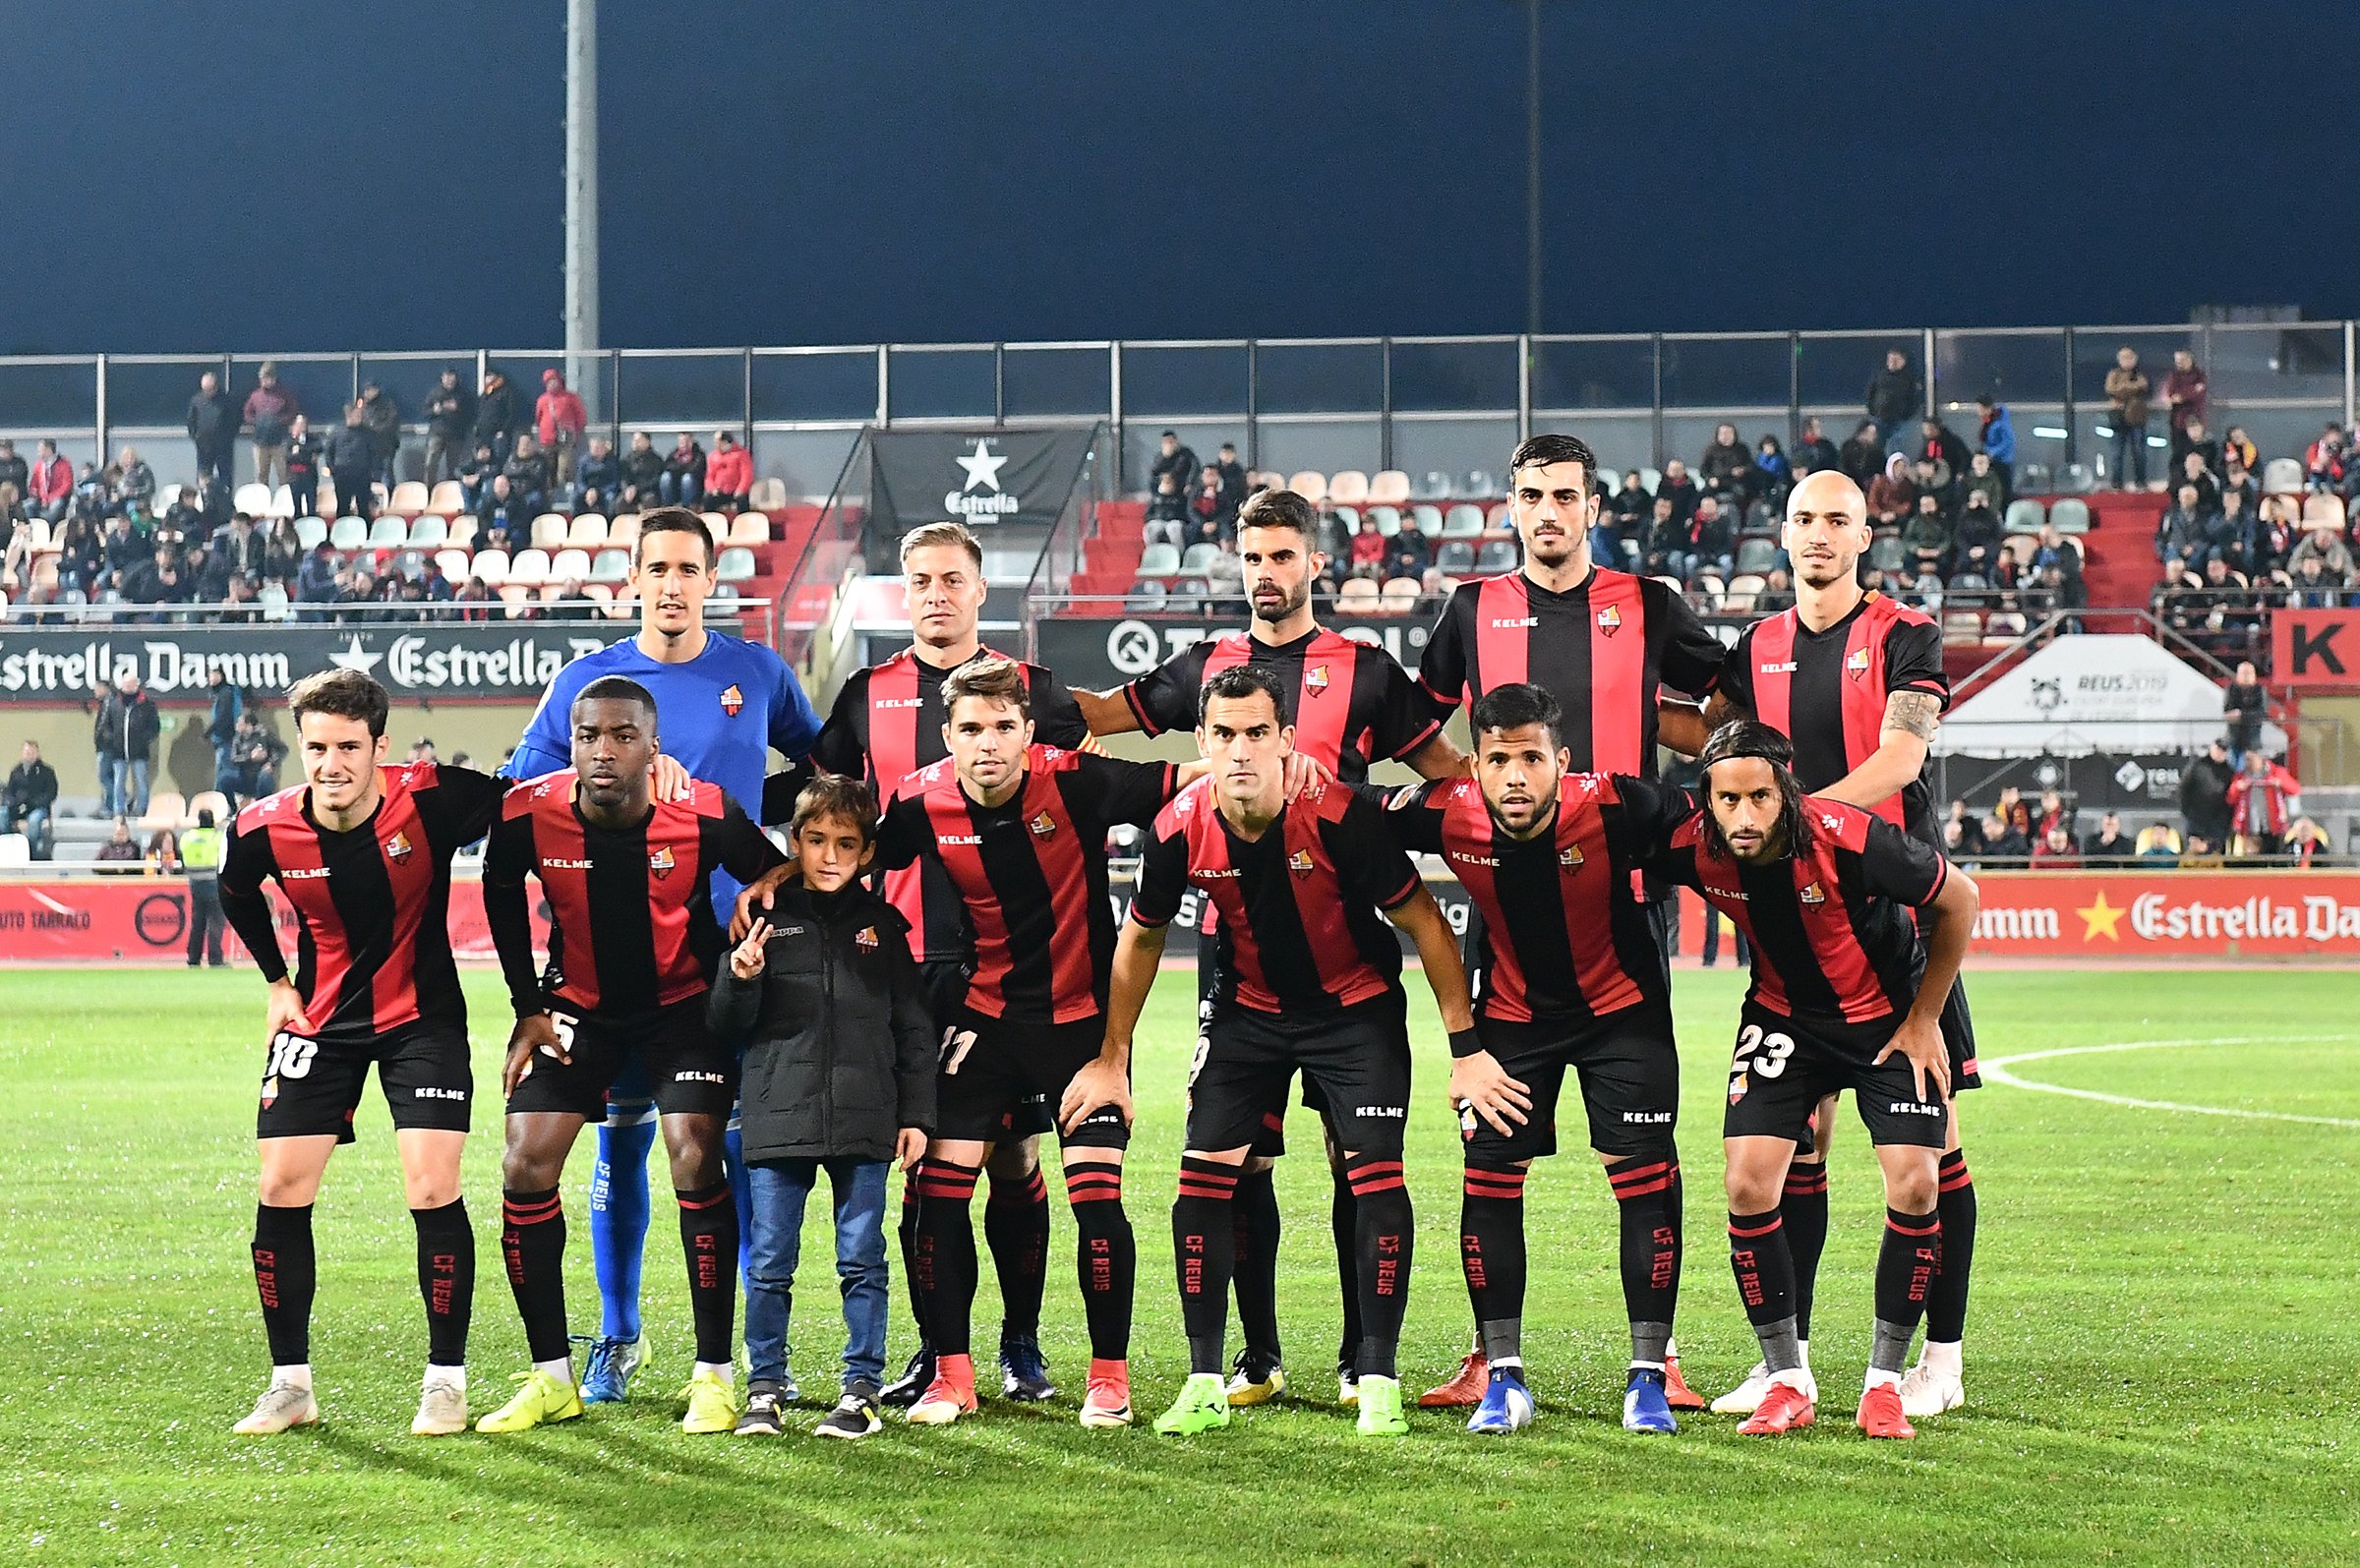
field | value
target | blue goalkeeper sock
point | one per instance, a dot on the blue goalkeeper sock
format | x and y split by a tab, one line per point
619	1222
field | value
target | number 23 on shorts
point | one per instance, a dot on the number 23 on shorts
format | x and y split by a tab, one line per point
1763	1054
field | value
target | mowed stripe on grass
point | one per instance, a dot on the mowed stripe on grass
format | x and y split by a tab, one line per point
2163	1304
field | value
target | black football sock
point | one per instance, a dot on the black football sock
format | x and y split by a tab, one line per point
1254	1261
1905	1277
906	1230
1946	1306
1491	1254
1384	1240
1765	1270
1803	1208
286	1273
1016	1227
1202	1244
1647	1198
945	1264
1106	1254
709	1242
445	1279
1343	1220
532	1241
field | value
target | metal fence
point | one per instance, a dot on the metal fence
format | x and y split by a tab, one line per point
1439	405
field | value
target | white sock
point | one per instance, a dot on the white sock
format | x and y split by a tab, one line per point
1509	1364
451	1376
1805	1345
1942	1358
1671	1347
1648	1366
726	1371
298	1375
1876	1375
562	1370
1798	1378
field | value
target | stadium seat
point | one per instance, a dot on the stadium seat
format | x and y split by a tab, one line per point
165	809
1960	627
212	800
624	530
1402	595
1347	520
1158	560
1387	520
1737	598
389	529
1650	477
1311	485
454	565
717	525
749	528
1188	595
529	567
272	597
2078	478
37	534
1455	557
1498	556
2282	475
1463	521
428	532
1755	556
611	565
1359	595
569	564
2069	515
1435	487
2322	510
409	497
2025	515
1146	597
1481	486
519	597
2020	546
311	531
767	495
462	531
625	606
409	563
253	499
1428	518
1884	555
282	503
737	565
588	531
1609	481
600	593
1390	487
348	533
2003	625
1498	517
492	565
1348	486
549	530
15	849
323	500
449	496
1198	557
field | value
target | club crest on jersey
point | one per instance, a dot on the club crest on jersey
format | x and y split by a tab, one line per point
1812	892
1044	826
732	699
1314	680
398	848
866	938
661	862
1300	862
1610	620
1570	857
1857	664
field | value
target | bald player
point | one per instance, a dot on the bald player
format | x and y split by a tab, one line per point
1856	681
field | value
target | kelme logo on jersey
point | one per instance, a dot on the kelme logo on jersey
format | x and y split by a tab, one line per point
1570	857
866	938
398	848
1299	862
1856	664
1610	621
1044	826
732	699
661	862
1314	680
1812	892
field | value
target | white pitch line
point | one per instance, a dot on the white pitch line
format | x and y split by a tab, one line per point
1996	1071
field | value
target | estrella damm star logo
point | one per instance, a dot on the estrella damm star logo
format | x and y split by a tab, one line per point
2102	919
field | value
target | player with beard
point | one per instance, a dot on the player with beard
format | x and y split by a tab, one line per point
1352	705
1856	681
1603	643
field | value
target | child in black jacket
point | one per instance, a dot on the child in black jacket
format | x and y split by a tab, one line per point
839	1073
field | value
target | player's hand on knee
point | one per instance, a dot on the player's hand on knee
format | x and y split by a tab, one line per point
535	1033
1100	1083
1480	1082
284	1014
1930	1061
748	958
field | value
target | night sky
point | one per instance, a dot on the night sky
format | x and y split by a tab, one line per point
279	176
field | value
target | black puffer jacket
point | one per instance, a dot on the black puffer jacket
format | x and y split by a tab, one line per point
840	1052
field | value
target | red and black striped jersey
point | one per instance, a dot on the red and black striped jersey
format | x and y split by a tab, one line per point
886	725
1826	691
630	928
1829	926
1562	937
1031	872
1352	704
1298	928
1602	650
372	904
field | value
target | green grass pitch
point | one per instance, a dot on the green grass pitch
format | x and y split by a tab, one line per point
2163	1335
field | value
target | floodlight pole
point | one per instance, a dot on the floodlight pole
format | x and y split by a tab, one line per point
581	199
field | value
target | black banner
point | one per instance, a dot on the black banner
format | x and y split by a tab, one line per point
508	660
987	479
2139	782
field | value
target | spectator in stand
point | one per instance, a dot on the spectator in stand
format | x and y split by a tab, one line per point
2194	471
2127	392
2192	442
1778	593
184	519
2327	548
359	592
134	481
381	416
1998	438
1976	538
52	491
240	547
1225	582
2159	845
2108	850
729	475
1892	497
1176	460
1895	396
282	554
30	798
81	555
1167	513
529	478
2055	851
476	476
1863	457
1946	449
1213	515
449	424
2323	460
159	580
2229	611
2263	799
269	411
1630	506
1930	476
301	461
2003	839
256	754
474	600
2259	544
2305	842
2014	812
1712	541
351	453
506	513
1776	473
315	581
684	480
1678	487
1606	539
2053	811
212	426
15	540
2244	704
1726	470
2238	476
1984	479
1916	586
560	422
123	737
238	604
1368	551
1409	554
1233	478
572	603
2314	589
1667	540
121	849
14	470
1928	536
125	546
1959	849
2180	532
1970	825
1814	451
2204	794
497	416
2184	393
226	705
599	480
643	475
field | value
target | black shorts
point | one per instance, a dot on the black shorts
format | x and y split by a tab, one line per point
313	1087
945	983
1783	1067
1630	1082
1357	1058
1957	1033
687	1071
986	1082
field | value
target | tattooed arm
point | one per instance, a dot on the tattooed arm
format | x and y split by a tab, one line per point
1910	719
